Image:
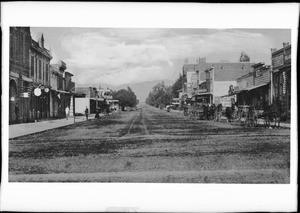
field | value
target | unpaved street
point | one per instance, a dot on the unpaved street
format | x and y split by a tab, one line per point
152	145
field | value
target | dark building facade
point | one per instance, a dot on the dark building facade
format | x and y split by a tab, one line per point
20	82
37	90
281	68
40	58
254	88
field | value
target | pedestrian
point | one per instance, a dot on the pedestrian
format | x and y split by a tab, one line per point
67	112
86	113
97	114
17	112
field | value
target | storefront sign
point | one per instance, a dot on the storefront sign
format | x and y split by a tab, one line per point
277	61
37	92
202	90
226	101
24	95
258	73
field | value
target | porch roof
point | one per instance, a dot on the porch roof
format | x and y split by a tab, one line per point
257	86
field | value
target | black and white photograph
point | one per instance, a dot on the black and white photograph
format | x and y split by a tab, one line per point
172	105
125	105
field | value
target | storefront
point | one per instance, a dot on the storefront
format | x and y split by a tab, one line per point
40	102
256	96
281	62
204	98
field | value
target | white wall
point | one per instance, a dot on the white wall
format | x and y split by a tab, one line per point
81	104
221	87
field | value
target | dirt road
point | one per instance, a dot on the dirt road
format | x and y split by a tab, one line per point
152	145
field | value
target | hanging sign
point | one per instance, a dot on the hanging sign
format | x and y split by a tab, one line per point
37	92
46	89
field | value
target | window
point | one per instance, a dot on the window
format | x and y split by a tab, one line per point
40	69
15	47
24	49
258	73
47	73
36	65
11	45
43	71
32	66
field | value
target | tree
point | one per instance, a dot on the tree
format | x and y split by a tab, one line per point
160	96
127	98
177	86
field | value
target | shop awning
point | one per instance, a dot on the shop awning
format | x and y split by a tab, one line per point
61	91
224	96
112	101
257	86
97	99
239	91
204	93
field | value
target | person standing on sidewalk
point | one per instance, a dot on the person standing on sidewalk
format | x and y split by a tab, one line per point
86	113
67	112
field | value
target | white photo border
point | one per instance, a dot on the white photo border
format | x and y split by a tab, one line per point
147	197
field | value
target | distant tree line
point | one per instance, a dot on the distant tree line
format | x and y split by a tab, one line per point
162	95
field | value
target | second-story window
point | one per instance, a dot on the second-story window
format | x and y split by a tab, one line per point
15	47
43	71
40	69
32	66
11	45
35	68
24	49
47	73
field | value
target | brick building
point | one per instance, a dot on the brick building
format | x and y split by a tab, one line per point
40	58
20	81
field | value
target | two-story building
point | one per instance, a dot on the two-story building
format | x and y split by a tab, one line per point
62	90
217	77
40	58
281	71
254	88
36	89
20	81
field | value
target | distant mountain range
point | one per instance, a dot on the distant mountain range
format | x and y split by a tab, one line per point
141	90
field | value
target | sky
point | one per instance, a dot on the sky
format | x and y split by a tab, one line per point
119	56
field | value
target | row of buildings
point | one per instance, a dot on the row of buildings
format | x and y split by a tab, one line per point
39	89
95	99
241	83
